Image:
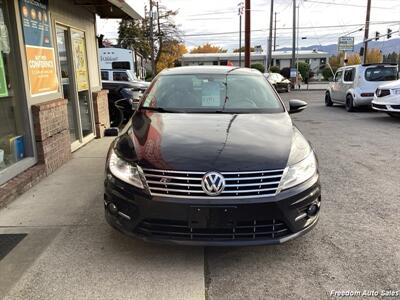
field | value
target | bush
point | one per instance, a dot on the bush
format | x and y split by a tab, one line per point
259	67
285	72
327	73
274	69
304	69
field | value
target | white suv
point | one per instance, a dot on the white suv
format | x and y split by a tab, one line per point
387	99
355	85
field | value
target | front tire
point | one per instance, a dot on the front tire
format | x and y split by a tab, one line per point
350	103
328	100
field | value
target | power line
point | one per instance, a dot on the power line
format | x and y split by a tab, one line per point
345	4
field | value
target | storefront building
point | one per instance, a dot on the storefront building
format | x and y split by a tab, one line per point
51	98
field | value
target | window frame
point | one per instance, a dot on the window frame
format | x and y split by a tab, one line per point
353	70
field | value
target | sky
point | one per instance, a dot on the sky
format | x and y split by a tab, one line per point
199	20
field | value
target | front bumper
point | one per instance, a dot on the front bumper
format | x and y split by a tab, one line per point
388	105
260	221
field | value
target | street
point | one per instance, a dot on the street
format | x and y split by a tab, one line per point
71	253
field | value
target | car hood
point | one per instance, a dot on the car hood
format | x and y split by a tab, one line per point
205	142
391	85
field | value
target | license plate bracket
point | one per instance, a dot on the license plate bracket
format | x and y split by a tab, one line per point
212	217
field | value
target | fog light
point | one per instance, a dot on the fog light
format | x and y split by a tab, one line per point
112	208
312	210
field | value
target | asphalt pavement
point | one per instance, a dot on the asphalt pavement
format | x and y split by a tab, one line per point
71	253
356	244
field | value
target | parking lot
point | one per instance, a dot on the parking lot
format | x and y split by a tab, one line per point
70	253
356	245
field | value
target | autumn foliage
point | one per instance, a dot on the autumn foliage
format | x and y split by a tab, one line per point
208	48
170	54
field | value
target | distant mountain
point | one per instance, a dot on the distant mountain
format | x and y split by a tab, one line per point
386	46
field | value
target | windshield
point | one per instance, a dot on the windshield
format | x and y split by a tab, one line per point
131	75
212	93
381	74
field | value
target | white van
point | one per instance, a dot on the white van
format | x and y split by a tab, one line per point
124	63
355	86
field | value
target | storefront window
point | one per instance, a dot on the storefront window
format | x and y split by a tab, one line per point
12	136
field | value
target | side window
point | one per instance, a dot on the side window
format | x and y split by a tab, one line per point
349	75
120	76
338	76
104	75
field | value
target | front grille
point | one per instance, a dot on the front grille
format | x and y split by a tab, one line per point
380	106
181	184
243	230
382	93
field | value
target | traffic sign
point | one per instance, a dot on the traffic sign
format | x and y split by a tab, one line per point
346	43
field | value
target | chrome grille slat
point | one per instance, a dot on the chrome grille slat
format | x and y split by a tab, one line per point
252	178
252	184
187	184
173	177
174	183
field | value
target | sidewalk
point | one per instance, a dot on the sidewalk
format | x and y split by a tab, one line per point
71	253
313	86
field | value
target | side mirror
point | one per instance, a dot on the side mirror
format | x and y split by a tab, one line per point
135	105
112	131
296	106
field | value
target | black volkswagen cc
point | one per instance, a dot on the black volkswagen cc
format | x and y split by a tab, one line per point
211	157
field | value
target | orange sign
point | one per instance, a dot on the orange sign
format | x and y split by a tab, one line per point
42	70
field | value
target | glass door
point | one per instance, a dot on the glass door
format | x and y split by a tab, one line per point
67	81
82	81
72	56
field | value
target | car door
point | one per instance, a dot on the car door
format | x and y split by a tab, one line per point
347	83
336	86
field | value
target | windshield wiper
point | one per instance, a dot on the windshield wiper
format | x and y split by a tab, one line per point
159	109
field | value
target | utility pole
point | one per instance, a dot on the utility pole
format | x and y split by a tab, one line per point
298	34
366	32
247	31
240	12
275	33
271	17
293	63
153	63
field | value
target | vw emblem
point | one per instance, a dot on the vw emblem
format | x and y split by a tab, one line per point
213	183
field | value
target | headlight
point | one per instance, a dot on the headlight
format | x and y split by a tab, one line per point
125	171
395	91
299	172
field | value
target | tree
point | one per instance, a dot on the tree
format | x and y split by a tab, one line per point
304	69
132	34
374	56
135	34
259	67
353	59
391	58
242	50
171	53
208	48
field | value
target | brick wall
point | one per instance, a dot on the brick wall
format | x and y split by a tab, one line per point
101	114
21	183
50	120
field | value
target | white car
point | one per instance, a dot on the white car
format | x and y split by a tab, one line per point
387	99
355	85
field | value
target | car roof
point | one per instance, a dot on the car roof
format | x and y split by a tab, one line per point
368	65
218	70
